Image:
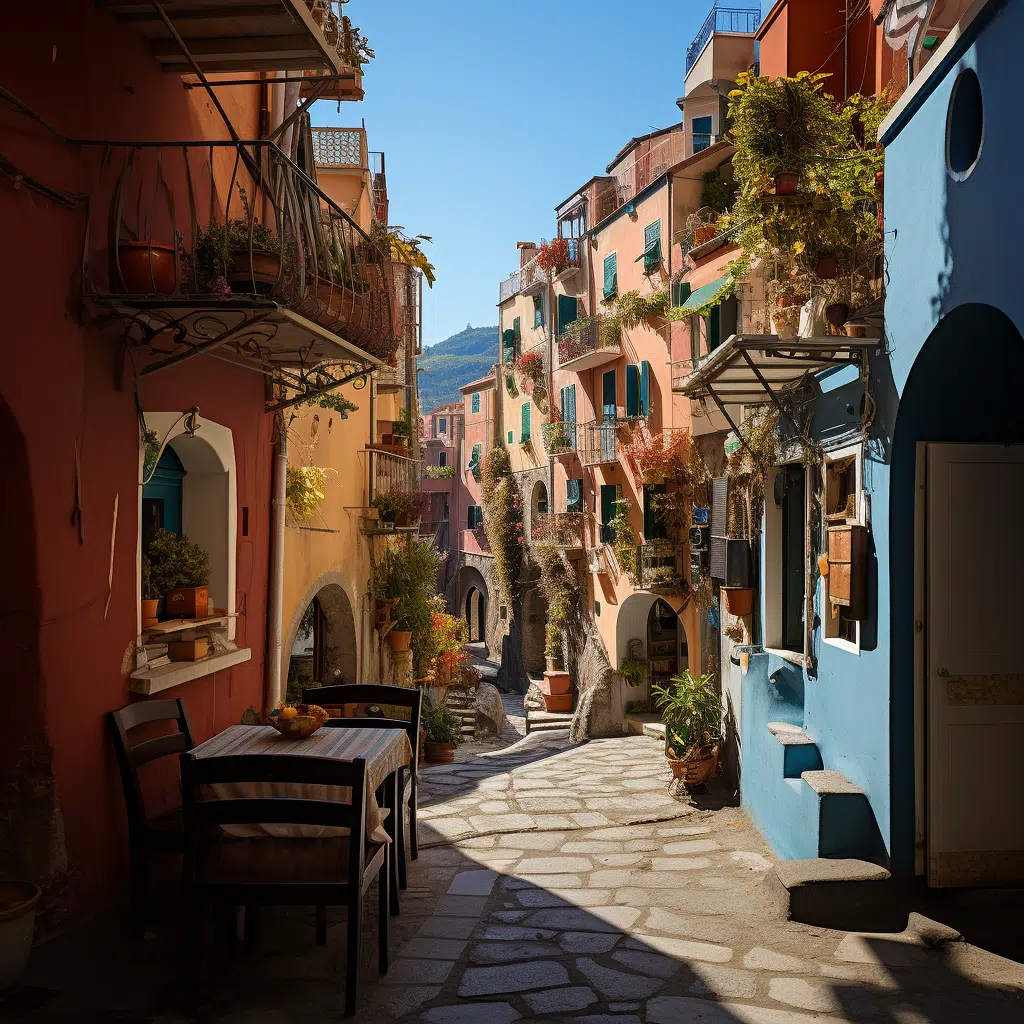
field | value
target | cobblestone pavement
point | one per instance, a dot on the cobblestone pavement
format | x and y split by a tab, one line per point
555	883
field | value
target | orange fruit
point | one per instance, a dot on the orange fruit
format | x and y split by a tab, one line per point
288	713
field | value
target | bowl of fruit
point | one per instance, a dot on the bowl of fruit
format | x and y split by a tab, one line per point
297	721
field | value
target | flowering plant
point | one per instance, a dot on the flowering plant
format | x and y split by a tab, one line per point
531	367
553	256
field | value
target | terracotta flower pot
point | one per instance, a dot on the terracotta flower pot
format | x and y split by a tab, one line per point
786	183
704	234
555	683
146	269
399	639
150	609
826	266
855	330
188	603
438	752
738	600
254	273
558	701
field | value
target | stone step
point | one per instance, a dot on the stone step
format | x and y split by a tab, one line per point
846	823
800	753
645	723
548	720
842	893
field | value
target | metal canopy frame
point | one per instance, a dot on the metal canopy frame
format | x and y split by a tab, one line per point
751	369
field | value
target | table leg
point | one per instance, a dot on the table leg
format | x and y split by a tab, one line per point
391	798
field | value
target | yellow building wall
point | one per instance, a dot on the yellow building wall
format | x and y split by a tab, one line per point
533	339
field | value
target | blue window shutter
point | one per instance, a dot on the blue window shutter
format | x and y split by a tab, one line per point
538	311
476	402
632	391
568	311
611	284
645	388
570	404
524	434
652	234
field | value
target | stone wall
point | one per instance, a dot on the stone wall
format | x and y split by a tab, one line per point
596	682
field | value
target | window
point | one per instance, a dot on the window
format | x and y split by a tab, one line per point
611	276
844	504
965	126
609	497
573	495
538	311
652	247
474	517
442	459
508	346
680	292
638	387
475	403
442	425
511	437
568	311
654	518
702	128
785	558
474	459
524	433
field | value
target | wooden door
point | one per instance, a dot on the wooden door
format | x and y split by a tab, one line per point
974	676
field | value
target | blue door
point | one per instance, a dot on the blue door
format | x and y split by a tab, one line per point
161	498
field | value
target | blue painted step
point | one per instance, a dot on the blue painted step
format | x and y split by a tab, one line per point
799	752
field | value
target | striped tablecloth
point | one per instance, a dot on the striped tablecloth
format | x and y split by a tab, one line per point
384	750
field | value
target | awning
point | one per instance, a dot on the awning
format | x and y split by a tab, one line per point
702	296
752	369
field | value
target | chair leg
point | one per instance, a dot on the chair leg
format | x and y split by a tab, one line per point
190	939
403	880
321	926
392	789
138	889
414	835
355	920
383	918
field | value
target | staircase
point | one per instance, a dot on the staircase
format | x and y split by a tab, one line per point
463	706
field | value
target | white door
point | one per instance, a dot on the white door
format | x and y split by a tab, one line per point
975	664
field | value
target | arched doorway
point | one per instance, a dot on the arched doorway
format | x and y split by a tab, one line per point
538	504
667	653
324	651
957	718
475	611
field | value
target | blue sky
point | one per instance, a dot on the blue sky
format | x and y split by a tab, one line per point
491	113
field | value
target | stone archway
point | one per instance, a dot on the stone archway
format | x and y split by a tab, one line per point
475	614
538	504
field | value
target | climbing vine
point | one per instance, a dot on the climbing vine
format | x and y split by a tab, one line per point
503	522
561	590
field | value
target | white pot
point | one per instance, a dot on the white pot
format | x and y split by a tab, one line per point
17	920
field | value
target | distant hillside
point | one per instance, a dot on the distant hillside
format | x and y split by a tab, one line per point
449	364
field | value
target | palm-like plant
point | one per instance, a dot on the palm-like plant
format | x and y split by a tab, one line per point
691	709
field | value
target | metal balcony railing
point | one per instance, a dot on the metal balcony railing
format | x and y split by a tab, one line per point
390	472
508	287
200	231
739	20
559	438
598	443
533	278
596	337
659	567
563	529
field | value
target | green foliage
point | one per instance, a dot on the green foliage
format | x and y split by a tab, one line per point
717	193
335	402
440	472
633	671
561	590
304	490
442	725
633	309
402	427
468	355
408	572
175	562
691	709
503	522
391	504
624	544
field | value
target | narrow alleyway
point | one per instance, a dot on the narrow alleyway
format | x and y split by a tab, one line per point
554	883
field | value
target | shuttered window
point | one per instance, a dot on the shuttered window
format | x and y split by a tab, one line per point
645	388
632	392
652	247
476	402
474	516
611	276
654	521
568	311
538	311
573	495
524	434
680	292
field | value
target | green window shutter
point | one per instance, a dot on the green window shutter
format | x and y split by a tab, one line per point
568	311
632	391
611	281
714	328
538	311
517	329
510	437
645	388
652	246
524	434
476	402
680	292
652	234
508	345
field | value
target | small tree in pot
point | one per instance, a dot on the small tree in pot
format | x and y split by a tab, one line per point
180	570
691	708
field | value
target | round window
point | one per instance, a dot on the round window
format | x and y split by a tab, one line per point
965	125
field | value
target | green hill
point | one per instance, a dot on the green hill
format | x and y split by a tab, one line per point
449	364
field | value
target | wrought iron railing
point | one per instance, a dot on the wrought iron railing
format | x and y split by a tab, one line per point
563	529
659	566
598	443
390	472
232	225
533	277
508	287
595	334
741	20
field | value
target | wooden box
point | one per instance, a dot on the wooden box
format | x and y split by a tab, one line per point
188	603
188	650
848	569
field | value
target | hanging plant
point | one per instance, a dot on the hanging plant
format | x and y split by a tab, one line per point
633	309
553	256
503	522
633	671
305	490
531	368
561	589
624	544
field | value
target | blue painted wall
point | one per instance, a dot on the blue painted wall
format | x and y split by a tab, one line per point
952	370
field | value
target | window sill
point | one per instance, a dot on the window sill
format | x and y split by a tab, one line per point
843	645
149	681
792	657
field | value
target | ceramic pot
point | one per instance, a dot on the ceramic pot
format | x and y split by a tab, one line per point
146	269
854	330
786	183
558	701
555	683
254	273
399	639
150	609
739	601
439	753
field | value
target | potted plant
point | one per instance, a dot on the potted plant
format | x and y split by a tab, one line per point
150	597
146	268
554	256
444	734
180	570
449	634
400	637
691	709
393	507
633	671
18	902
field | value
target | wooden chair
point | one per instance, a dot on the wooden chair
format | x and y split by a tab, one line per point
223	871
396	696
163	832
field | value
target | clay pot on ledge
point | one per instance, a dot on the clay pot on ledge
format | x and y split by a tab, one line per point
400	640
554	702
254	273
786	183
146	269
854	329
739	601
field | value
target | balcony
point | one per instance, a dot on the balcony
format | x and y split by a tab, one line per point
509	287
229	249
568	269
589	343
533	278
565	530
389	472
659	568
438	479
559	438
242	37
598	443
340	149
733	20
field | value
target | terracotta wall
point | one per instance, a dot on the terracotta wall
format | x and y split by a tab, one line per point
93	78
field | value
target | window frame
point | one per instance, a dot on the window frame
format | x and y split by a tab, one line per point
856	450
474	403
538	311
614	257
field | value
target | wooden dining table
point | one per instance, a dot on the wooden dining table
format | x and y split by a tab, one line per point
384	750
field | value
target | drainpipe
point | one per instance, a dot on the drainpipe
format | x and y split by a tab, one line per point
275	590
